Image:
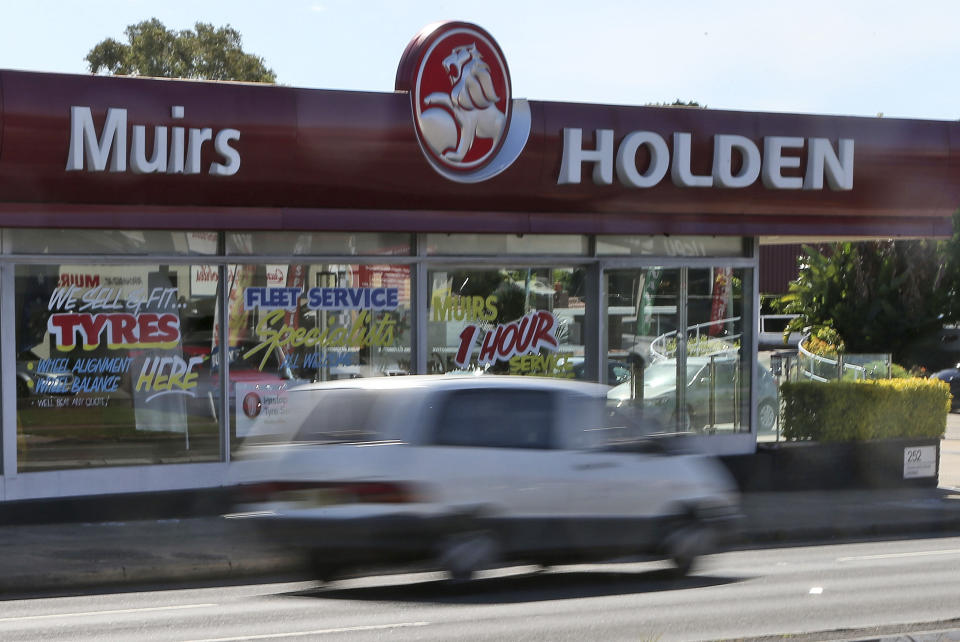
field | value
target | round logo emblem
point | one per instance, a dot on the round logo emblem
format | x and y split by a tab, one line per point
460	95
252	405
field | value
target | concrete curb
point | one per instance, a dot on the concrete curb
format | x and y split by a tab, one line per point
60	556
824	534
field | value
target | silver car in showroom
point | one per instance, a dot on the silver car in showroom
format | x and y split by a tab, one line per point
703	380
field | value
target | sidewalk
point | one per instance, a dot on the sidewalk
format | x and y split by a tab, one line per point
950	454
64	556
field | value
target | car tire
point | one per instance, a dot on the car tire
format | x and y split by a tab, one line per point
323	569
461	555
687	543
766	416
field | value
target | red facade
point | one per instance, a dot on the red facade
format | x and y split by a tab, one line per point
313	159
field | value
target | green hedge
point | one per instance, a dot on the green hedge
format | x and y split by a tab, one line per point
862	411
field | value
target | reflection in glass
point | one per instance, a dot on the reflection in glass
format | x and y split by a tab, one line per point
113	366
686	353
499	244
318	243
692	246
521	321
105	242
297	323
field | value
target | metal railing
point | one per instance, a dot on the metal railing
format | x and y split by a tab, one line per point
661	350
772	327
816	367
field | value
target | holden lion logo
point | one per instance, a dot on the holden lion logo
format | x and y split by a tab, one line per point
469	127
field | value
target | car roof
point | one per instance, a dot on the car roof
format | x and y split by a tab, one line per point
441	382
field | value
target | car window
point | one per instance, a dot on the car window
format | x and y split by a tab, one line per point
496	418
340	415
627	421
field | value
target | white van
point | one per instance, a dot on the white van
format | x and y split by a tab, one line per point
474	472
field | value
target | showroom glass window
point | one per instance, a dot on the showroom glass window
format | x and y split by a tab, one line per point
680	332
113	359
312	319
518	320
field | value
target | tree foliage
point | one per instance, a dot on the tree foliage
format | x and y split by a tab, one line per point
871	297
679	103
208	52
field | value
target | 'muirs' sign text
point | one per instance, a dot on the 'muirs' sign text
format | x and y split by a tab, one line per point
825	165
176	150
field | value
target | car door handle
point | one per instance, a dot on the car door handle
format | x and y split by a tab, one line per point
593	465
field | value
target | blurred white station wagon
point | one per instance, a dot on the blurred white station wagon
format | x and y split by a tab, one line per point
475	472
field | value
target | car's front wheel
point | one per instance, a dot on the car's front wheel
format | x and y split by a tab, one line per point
766	416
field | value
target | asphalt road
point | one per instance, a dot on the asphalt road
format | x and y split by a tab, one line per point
738	594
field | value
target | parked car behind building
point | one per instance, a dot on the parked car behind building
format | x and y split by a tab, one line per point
952	377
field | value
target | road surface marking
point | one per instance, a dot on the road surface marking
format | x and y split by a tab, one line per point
294	634
816	590
24	618
887	556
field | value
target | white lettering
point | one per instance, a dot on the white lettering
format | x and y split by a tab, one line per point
175	164
574	154
232	157
774	161
821	160
84	143
627	170
138	151
197	138
176	150
680	169
723	146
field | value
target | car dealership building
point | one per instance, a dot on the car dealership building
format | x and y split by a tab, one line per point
446	227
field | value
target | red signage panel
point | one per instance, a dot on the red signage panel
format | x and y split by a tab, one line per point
85	142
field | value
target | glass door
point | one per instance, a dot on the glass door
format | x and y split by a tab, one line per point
680	334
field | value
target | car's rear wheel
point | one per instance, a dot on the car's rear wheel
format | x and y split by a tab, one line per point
686	543
323	568
461	555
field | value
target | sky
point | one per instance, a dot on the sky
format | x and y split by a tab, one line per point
861	58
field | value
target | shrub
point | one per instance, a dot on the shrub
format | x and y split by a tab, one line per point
824	342
899	372
865	410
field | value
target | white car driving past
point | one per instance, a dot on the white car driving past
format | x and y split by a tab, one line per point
475	472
